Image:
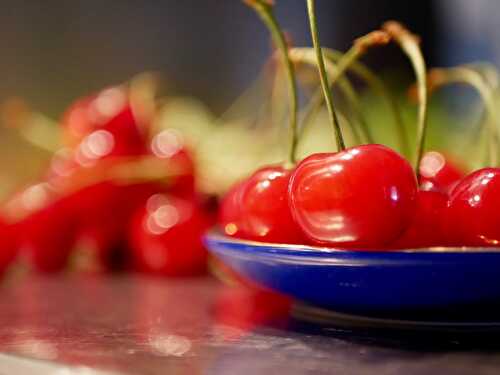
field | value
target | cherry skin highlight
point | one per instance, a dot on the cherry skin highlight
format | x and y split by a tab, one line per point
166	237
427	228
474	214
362	197
438	172
260	207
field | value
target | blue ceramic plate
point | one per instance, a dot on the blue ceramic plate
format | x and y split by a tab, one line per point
434	283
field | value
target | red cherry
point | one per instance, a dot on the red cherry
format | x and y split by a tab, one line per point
104	211
8	244
109	115
362	197
229	215
104	208
438	172
261	211
427	227
166	237
48	236
474	214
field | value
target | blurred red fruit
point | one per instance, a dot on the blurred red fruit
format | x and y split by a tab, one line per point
439	173
105	119
166	237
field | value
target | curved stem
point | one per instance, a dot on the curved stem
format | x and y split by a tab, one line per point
33	127
308	56
377	85
410	45
343	63
323	77
440	77
264	10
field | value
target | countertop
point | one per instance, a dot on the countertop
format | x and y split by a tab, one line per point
122	324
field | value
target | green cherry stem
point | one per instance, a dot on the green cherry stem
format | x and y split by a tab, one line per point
308	56
410	44
323	77
264	10
33	127
439	77
341	64
378	86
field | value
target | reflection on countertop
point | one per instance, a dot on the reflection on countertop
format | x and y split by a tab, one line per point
132	325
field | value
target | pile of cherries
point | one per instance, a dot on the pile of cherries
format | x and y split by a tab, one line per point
119	195
366	197
115	197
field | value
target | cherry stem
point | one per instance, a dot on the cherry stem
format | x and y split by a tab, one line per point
410	44
377	85
33	127
308	56
142	92
323	77
343	64
264	10
488	71
440	76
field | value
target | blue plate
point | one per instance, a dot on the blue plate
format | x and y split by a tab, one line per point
435	283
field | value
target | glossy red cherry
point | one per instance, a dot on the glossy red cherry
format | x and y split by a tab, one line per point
362	197
166	237
260	208
427	226
474	214
229	214
438	172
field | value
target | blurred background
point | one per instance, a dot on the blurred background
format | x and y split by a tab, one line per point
54	52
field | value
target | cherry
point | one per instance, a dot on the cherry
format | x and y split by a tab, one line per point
109	115
474	217
48	236
362	197
8	244
104	208
258	208
438	172
229	215
165	237
427	226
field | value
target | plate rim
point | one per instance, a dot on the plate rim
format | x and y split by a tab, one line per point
218	236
